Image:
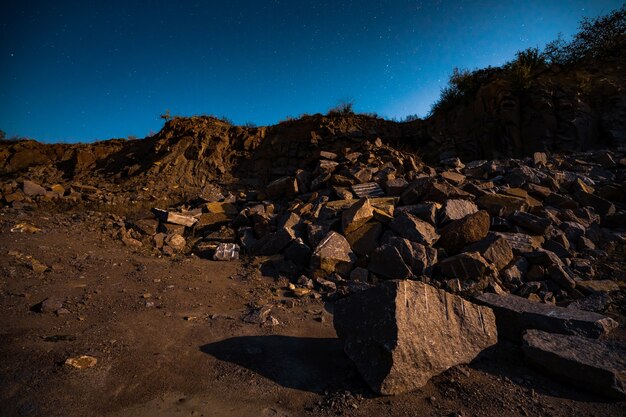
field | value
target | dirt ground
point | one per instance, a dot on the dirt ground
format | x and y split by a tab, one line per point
169	339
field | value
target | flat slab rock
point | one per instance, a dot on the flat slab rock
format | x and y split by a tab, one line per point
516	314
401	333
595	365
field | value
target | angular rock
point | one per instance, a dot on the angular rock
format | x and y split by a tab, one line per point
174	218
365	239
467	265
356	216
501	205
333	254
226	252
176	242
387	262
282	187
561	277
414	229
32	189
370	189
460	233
396	186
520	242
602	206
456	209
535	224
401	333
599	286
274	243
493	248
594	365
515	314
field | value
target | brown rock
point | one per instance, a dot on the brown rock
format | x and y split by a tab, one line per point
32	189
468	265
456	209
594	365
414	229
501	205
515	314
356	216
333	254
460	233
493	248
365	239
401	333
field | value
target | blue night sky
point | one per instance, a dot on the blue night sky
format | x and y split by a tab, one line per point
86	70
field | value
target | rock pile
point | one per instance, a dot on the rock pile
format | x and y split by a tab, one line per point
520	235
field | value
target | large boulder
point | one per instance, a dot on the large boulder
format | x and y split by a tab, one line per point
460	233
516	314
595	365
401	333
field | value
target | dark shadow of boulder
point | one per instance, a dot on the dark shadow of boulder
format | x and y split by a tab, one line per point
304	363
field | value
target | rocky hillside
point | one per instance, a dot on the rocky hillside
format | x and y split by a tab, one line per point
560	108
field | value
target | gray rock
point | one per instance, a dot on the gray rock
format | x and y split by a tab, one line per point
516	314
594	365
401	333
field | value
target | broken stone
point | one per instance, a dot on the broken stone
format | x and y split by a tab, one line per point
282	187
333	254
176	242
460	233
174	218
387	262
401	333
515	314
501	205
356	216
561	277
273	243
602	206
599	286
456	209
493	248
468	265
396	186
365	239
598	366
32	189
520	242
226	252
414	229
370	189
535	224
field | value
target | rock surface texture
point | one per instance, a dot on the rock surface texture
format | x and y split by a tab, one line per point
402	333
594	365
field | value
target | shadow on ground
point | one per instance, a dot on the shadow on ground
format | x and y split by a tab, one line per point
304	363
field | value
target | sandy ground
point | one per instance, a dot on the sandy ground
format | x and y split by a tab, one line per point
169	340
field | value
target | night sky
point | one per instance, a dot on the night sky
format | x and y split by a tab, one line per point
86	70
